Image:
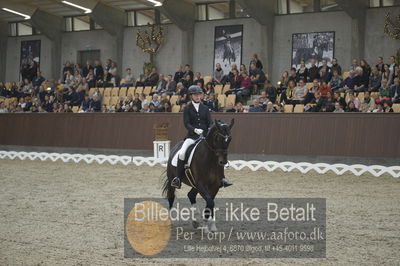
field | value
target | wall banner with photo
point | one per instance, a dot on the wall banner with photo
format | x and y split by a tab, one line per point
228	42
318	45
30	52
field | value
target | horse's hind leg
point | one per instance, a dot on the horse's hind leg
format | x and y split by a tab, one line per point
192	197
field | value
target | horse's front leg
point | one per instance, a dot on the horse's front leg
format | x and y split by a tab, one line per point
196	218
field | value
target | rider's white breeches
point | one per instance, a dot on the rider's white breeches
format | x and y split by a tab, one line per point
185	146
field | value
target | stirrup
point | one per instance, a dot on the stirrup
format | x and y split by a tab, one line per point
176	182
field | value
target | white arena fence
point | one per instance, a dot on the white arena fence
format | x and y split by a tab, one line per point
270	166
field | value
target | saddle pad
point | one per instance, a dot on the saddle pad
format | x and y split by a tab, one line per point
188	161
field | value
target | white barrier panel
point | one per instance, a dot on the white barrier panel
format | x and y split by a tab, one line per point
270	166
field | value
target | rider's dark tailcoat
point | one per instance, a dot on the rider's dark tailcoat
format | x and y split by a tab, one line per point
193	119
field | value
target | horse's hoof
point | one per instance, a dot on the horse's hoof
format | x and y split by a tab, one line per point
195	224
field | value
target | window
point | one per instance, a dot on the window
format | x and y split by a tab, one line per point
164	19
143	17
329	5
382	3
240	12
218	11
282	7
301	6
13	29
81	23
24	28
202	12
68	24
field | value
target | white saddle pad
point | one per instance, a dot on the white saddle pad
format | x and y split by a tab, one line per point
189	161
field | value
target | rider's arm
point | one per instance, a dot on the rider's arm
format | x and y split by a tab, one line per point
186	120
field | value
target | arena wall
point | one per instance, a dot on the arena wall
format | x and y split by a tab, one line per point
358	134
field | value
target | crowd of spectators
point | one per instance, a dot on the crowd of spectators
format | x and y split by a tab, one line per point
319	88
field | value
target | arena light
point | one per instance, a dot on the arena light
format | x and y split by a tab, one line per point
156	3
26	17
87	10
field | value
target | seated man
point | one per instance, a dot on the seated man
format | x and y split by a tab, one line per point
257	76
395	91
129	80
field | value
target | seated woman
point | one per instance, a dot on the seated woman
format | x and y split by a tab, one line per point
301	93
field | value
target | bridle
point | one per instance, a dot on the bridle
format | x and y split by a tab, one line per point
217	151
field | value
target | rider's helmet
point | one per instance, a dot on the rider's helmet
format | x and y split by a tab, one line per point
194	89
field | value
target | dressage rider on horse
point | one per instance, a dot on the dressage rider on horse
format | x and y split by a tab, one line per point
197	120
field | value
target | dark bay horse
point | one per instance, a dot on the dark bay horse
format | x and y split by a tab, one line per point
207	168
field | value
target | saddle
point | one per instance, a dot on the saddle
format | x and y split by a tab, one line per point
188	155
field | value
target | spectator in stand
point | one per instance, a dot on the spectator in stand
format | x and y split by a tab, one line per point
288	94
339	99
313	72
178	77
98	72
284	80
95	105
336	67
366	73
387	106
293	75
257	76
129	80
256	61
86	103
325	76
161	85
91	79
189	72
270	108
351	108
170	86
395	91
302	73
243	69
263	99
245	88
86	69
355	100
77	79
374	80
230	77
118	108
352	82
218	74
143	100
188	81
152	79
386	74
37	81
256	107
301	93
155	100
392	64
67	67
396	73
71	98
367	104
328	104
327	72
164	108
181	90
354	65
379	108
380	65
230	108
236	79
3	108
209	88
336	81
211	102
338	108
271	91
324	89
199	79
384	92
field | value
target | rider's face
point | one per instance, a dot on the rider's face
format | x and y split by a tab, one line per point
196	97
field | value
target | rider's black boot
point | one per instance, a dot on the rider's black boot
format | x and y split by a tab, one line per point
180	170
225	183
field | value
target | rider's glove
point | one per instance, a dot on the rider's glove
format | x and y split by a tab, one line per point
198	131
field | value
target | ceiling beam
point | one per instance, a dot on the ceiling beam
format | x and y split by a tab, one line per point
181	12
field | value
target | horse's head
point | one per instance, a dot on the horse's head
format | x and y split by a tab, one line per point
219	138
